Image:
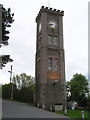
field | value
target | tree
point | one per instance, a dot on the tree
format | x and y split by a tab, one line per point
6	90
7	20
89	103
77	89
25	87
4	59
23	80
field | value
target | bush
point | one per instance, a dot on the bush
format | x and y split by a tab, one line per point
24	94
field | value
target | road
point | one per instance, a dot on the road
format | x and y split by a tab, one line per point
23	110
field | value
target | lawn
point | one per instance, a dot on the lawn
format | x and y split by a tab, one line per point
76	114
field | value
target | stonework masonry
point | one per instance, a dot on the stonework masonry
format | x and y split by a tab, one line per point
50	87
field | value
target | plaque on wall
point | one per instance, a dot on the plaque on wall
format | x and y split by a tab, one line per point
58	107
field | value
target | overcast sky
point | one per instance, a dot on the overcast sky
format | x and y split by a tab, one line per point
22	42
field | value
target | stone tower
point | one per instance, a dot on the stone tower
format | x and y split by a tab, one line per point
50	87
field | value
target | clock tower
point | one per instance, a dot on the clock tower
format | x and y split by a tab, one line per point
50	87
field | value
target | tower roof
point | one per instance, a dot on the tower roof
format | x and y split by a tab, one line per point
49	10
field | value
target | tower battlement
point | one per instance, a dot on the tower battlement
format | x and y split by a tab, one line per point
49	10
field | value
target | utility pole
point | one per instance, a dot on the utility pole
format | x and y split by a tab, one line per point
11	94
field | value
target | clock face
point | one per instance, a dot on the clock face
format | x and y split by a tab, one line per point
39	27
52	24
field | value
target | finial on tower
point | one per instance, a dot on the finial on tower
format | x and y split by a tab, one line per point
49	3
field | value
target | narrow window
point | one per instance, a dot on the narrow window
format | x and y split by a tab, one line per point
56	64
49	40
54	40
50	64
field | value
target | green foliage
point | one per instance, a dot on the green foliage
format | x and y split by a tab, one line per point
77	89
23	81
6	89
7	20
0	91
24	94
4	60
23	88
89	103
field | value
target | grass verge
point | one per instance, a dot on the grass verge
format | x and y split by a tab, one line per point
76	114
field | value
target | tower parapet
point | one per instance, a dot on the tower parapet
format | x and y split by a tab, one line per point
49	10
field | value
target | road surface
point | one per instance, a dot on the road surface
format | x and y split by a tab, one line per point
23	110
